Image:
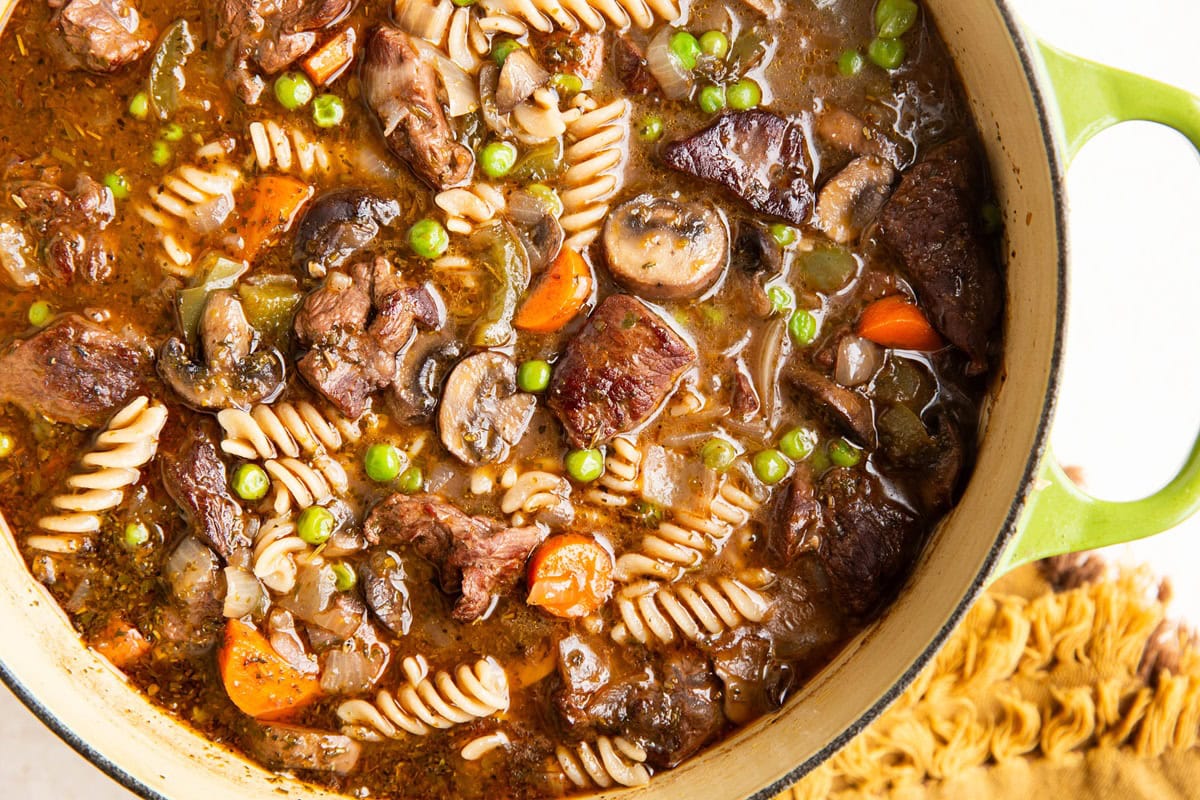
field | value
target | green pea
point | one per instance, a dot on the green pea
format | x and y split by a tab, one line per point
651	129
498	158
785	235
782	299
533	376
136	534
886	53
315	525
798	443
547	197
585	466
685	48
844	454
649	514
250	482
7	445
328	111
711	99
40	313
894	18
117	184
993	220
411	481
343	574
139	105
464	3
172	132
851	63
383	462
502	48
744	94
803	327
714	43
718	454
160	153
428	238
770	466
293	90
567	83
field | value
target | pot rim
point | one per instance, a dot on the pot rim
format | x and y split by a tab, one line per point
1041	93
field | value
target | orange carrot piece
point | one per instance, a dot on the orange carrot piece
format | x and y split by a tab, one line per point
558	296
120	643
331	59
895	322
570	576
257	679
272	204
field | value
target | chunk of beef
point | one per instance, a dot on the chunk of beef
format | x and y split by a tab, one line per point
194	476
629	63
796	519
743	397
338	224
102	35
617	371
353	329
401	88
292	747
70	224
759	156
933	223
476	556
73	371
578	53
585	667
866	538
269	35
850	408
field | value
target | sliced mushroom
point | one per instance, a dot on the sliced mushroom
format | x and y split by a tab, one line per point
286	746
482	414
339	223
665	249
232	373
848	406
385	589
854	197
419	375
537	228
755	250
519	78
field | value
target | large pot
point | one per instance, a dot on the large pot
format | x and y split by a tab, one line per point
1036	107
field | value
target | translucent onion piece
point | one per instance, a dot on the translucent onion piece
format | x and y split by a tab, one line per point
857	361
676	82
243	593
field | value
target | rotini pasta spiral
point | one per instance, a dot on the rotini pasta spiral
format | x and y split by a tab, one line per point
612	760
650	610
596	149
471	206
546	15
539	119
621	481
479	747
541	495
275	549
425	704
296	484
681	544
175	207
128	443
282	149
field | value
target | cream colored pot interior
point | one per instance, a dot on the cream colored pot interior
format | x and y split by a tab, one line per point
95	708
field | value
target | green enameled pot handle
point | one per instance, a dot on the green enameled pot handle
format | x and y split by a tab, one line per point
1060	518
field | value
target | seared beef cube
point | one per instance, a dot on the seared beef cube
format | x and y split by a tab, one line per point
70	223
102	35
757	155
933	222
73	371
402	89
629	63
617	371
579	53
194	476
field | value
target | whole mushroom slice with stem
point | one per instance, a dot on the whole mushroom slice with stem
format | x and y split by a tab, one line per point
853	198
338	224
665	249
482	414
230	372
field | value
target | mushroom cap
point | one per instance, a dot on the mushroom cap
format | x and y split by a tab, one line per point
666	249
482	414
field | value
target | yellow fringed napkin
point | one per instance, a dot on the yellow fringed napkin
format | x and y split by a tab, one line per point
1064	681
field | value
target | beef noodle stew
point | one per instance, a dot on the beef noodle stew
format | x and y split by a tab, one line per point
484	397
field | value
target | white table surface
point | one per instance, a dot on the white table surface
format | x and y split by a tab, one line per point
1128	407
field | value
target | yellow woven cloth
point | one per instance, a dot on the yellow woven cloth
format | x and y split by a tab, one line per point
1075	693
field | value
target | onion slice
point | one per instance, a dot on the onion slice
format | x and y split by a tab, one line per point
676	82
243	593
461	95
858	360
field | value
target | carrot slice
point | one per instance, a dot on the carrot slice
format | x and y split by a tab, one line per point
272	204
895	322
330	60
120	643
570	576
257	679
558	296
